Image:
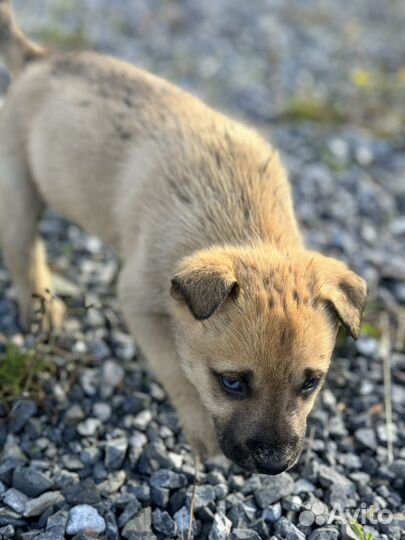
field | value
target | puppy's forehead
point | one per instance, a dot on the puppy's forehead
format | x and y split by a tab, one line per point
276	326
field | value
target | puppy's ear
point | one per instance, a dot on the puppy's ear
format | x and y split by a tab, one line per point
345	293
204	282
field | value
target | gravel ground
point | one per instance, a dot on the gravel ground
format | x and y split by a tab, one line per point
92	449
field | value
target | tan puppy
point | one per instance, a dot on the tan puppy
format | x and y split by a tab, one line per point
236	317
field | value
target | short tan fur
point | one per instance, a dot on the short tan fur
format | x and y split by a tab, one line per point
236	317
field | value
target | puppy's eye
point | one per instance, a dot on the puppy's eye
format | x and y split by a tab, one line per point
310	385
232	385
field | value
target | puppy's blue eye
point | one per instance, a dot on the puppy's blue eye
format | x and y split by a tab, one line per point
231	385
309	385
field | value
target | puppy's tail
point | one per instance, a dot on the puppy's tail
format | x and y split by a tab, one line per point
16	50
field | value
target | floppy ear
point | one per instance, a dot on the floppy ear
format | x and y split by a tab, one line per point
346	294
203	283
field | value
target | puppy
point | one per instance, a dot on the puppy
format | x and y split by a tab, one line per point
237	318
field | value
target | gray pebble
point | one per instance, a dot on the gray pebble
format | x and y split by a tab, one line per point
9	517
102	411
16	500
167	479
272	513
160	496
163	523
84	492
182	519
82	517
221	527
130	510
89	427
285	530
7	532
140	524
35	507
203	496
21	412
142	420
111	526
115	452
31	481
324	533
273	489
244	534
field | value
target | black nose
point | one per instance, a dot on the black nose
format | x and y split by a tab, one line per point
269	459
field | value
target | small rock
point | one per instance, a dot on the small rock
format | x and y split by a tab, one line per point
366	437
31	481
115	451
203	496
89	428
90	455
221	527
163	523
292	503
21	412
160	496
285	530
304	486
273	489
329	476
137	443
9	517
112	373
130	510
364	155
221	491
113	483
82	493
87	534
82	517
142	493
111	527
367	346
72	463
142	420
89	379
182	519
35	507
7	466
74	414
244	534
102	411
140	524
7	532
272	513
324	533
167	479
57	523
15	499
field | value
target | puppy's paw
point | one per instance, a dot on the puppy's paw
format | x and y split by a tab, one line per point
54	315
46	314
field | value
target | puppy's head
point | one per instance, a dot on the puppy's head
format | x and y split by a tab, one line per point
255	332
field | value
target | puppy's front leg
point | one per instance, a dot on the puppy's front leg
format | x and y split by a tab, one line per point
154	336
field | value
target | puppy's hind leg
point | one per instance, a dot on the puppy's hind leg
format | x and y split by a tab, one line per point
24	252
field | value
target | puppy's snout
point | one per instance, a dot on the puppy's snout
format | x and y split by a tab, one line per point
270	458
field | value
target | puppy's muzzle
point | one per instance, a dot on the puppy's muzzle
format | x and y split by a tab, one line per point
273	458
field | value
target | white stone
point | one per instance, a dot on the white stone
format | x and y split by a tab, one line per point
84	516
